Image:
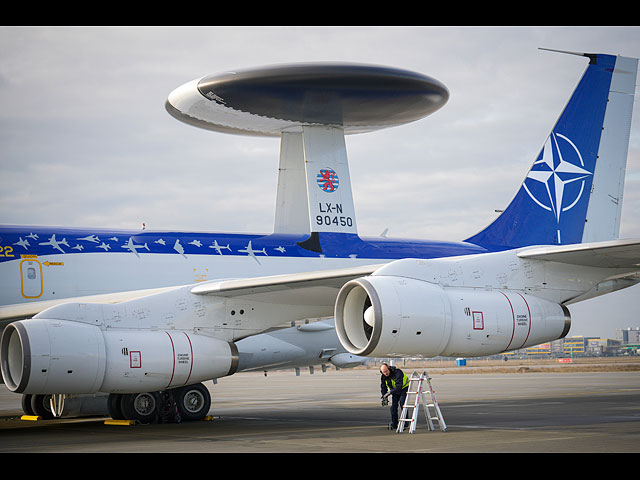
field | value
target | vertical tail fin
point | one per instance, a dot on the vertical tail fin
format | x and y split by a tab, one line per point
292	213
573	191
314	186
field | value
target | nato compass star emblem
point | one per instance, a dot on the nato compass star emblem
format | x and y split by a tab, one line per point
556	181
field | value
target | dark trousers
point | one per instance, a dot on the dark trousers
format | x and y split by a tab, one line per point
397	402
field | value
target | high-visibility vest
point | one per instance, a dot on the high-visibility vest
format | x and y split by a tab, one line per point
405	382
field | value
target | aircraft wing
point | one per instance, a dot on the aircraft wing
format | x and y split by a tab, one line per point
19	311
307	288
609	254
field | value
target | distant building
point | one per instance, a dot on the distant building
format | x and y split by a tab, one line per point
628	335
602	347
627	342
576	345
630	340
537	350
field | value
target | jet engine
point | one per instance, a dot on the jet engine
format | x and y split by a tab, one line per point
44	356
395	316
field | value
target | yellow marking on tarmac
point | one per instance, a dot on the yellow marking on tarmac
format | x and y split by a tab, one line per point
31	418
119	422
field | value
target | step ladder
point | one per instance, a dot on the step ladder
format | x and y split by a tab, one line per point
415	393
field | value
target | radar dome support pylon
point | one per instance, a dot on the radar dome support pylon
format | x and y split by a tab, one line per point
311	107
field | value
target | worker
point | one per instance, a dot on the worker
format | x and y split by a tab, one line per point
395	383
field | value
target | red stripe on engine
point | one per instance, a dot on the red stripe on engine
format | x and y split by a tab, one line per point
530	319
513	315
173	349
191	366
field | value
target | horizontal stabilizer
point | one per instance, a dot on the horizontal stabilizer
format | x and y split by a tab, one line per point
609	254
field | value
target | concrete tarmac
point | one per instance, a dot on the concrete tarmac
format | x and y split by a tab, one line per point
340	412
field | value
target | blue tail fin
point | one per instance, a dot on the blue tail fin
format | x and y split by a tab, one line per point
573	191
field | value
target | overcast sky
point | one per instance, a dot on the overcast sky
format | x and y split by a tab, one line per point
86	141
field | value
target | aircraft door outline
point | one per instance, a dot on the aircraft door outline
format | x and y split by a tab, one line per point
31	278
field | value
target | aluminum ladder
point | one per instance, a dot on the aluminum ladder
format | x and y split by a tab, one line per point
415	393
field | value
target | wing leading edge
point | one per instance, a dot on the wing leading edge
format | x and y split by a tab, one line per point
317	287
19	311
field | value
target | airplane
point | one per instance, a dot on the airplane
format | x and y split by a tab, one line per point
251	252
218	247
53	243
23	243
90	238
133	248
137	326
104	246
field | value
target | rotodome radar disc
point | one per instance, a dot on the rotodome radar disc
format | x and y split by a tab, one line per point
275	99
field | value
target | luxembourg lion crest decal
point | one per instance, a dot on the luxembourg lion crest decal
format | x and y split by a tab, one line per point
327	180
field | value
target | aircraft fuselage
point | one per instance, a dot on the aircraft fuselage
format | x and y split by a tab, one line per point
48	263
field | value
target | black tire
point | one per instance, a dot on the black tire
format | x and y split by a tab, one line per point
113	406
141	407
41	407
26	404
194	402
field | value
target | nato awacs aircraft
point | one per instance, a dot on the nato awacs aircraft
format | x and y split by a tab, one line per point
155	311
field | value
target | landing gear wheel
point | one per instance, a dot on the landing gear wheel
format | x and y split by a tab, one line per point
26	404
193	402
41	407
141	407
113	406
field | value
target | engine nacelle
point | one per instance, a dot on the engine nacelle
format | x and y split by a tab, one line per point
397	316
42	356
